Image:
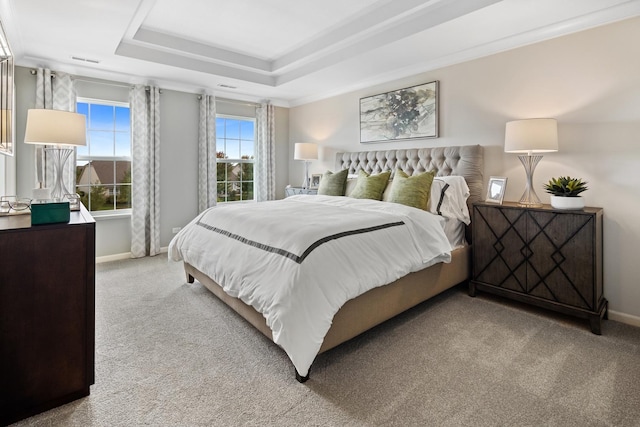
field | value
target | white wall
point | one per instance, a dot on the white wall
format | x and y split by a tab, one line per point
179	115
589	81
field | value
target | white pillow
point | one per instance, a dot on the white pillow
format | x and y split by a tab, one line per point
448	198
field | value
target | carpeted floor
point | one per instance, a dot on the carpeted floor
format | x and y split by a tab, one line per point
170	354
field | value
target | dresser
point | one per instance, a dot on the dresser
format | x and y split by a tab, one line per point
47	316
292	191
541	256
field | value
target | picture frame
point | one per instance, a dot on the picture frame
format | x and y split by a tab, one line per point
401	114
495	189
315	180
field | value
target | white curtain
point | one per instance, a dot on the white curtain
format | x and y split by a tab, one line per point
145	149
264	177
55	90
207	175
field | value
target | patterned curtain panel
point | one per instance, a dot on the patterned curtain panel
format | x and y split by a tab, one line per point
207	176
265	180
145	191
55	90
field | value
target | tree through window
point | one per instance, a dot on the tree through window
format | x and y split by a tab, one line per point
235	142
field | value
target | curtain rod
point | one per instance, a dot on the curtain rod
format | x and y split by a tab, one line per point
80	79
102	83
233	101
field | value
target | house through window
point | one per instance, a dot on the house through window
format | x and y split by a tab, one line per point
103	166
235	142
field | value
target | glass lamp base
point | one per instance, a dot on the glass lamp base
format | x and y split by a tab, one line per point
529	198
60	156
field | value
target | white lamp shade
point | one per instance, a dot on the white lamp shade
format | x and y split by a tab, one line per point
305	151
531	136
54	127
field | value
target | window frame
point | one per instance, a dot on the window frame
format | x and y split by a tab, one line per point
108	213
230	160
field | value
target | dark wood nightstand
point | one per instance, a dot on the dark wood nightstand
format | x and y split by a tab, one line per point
292	191
542	256
47	315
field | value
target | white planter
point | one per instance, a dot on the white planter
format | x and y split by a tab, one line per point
559	202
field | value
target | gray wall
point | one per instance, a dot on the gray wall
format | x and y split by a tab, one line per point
588	81
179	115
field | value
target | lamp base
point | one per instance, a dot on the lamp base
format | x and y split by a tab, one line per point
305	183
60	156
529	198
41	194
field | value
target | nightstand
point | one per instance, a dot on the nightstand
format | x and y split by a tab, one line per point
541	256
292	191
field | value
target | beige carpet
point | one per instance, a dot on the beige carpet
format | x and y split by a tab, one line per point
170	354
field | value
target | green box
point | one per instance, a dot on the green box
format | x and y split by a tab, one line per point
49	213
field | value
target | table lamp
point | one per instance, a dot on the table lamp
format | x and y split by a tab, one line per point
305	151
530	137
61	129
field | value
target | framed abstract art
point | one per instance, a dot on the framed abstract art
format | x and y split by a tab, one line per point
400	114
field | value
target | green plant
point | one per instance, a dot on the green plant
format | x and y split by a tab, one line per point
565	186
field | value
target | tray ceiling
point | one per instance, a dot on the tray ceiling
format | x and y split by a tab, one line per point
289	51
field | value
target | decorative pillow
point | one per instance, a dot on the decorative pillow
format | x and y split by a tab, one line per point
332	184
411	190
370	186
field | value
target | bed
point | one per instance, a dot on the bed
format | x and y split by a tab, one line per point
375	305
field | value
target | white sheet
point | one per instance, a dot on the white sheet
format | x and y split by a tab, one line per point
256	252
454	229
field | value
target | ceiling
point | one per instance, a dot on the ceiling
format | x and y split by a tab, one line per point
289	51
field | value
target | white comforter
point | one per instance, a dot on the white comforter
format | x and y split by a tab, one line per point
298	260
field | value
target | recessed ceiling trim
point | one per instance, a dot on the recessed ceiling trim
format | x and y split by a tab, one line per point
417	16
354	27
417	22
141	13
196	48
161	57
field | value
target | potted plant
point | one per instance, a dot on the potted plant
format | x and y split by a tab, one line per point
565	192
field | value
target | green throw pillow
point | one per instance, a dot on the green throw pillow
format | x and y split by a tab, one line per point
332	184
411	190
370	186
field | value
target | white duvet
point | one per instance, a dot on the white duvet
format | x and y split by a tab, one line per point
298	260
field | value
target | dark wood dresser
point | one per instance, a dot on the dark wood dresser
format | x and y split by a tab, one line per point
47	313
542	256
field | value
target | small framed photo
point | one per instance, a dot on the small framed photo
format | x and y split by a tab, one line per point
315	180
495	190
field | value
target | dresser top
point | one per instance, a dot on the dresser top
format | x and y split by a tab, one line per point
21	221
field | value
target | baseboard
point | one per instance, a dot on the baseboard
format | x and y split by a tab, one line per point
623	318
114	257
125	255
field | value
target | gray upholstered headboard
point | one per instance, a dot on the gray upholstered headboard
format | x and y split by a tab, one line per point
464	160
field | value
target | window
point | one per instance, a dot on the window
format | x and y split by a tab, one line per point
235	137
103	166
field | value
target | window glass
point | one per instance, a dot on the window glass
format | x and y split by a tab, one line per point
103	166
235	142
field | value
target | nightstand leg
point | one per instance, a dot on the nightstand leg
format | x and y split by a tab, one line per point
595	323
472	289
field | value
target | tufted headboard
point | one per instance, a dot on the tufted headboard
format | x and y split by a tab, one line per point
464	160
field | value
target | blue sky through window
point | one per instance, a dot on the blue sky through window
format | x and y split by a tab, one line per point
235	137
108	130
